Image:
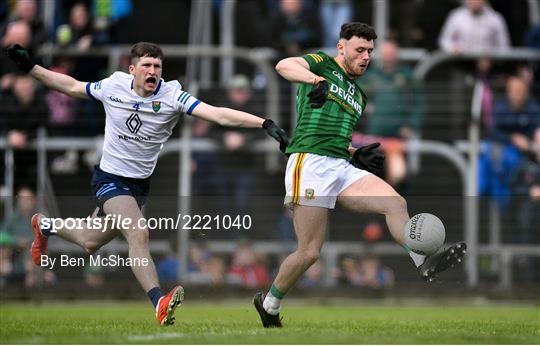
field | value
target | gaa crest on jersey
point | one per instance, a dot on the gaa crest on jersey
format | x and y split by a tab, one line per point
156	105
310	193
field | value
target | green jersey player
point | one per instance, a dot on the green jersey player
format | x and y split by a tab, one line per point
327	130
323	168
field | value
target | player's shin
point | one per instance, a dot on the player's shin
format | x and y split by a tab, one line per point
396	220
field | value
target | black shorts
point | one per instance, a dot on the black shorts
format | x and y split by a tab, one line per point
106	186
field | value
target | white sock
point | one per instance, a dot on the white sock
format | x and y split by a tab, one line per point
271	304
418	259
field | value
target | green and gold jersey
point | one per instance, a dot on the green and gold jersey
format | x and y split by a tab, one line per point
327	130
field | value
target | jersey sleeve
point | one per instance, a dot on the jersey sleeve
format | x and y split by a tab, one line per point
96	89
317	61
184	101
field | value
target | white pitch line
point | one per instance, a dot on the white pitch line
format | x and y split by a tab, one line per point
155	336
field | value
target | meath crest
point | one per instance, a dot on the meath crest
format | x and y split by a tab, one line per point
156	105
310	193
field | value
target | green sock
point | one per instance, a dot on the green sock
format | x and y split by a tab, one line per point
417	259
276	292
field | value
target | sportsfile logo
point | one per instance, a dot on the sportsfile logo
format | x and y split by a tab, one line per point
184	222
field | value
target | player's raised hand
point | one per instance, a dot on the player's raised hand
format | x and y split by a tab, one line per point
20	57
317	95
277	133
369	158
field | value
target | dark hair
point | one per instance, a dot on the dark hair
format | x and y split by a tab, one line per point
141	49
348	30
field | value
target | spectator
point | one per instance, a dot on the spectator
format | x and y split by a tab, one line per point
249	268
198	258
17	227
236	165
168	268
79	31
24	110
474	27
483	68
374	274
217	269
333	14
27	11
204	268
198	263
204	167
397	107
6	254
526	184
16	32
294	28
367	272
63	122
515	120
517	117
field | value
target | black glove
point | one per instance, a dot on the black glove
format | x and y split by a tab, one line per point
20	57
277	133
368	159
317	95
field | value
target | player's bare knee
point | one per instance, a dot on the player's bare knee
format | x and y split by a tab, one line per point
309	256
91	246
138	236
396	204
401	204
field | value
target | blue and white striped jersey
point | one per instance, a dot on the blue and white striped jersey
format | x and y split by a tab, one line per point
136	127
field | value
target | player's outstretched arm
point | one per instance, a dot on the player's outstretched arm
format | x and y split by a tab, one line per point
57	81
61	82
297	70
234	118
227	116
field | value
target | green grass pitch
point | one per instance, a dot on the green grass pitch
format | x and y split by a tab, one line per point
129	323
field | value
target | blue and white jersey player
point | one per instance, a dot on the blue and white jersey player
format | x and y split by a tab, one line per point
136	127
141	111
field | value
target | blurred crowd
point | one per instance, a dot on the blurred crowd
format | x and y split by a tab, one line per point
400	108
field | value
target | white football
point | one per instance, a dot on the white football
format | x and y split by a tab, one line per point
424	234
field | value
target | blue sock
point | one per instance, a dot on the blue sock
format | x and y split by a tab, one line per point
154	294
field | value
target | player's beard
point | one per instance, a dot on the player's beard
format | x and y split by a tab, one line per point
349	67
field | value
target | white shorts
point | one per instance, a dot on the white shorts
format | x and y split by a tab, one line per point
317	181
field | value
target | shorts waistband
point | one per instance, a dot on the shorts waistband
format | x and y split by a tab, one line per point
132	180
